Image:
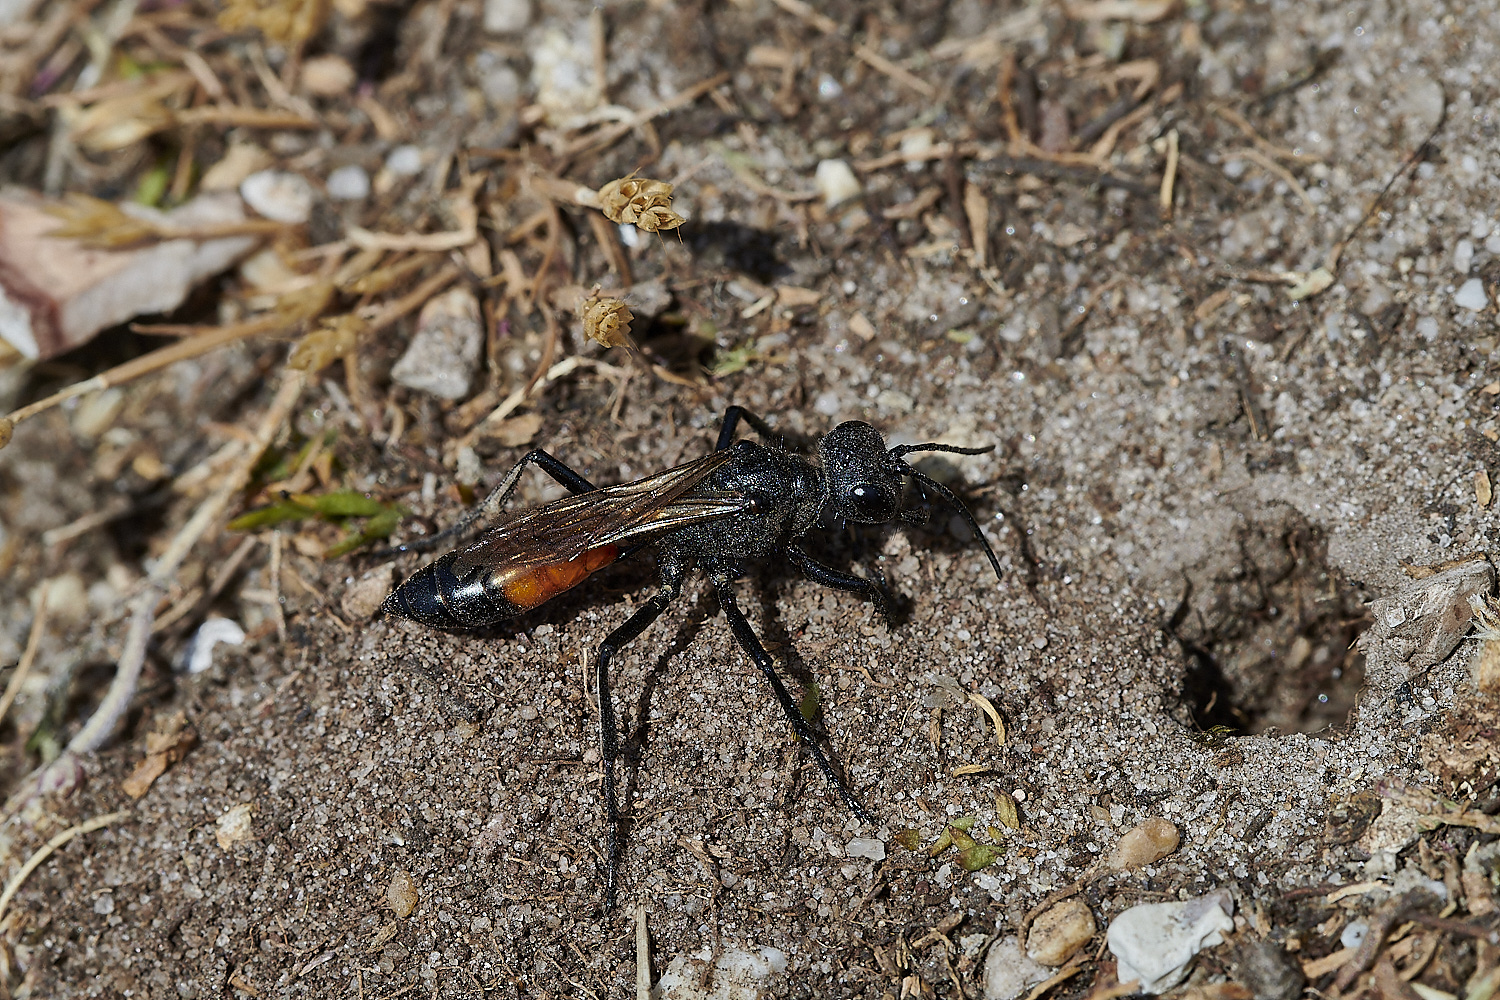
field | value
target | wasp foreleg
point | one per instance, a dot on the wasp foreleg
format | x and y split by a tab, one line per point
817	572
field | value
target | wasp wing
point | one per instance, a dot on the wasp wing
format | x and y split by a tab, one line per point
567	528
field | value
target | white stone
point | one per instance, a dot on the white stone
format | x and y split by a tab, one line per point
866	847
836	182
1463	256
1156	942
1008	972
278	195
1471	295
351	183
404	161
444	352
199	655
739	974
506	17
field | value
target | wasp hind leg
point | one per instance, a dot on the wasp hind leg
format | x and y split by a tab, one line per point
553	467
609	733
745	635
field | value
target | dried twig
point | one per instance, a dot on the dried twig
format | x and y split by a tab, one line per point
56	775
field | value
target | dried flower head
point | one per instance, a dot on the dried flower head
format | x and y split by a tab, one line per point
284	22
607	321
640	202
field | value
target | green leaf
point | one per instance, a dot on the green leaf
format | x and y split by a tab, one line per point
909	839
340	503
810	699
979	856
278	513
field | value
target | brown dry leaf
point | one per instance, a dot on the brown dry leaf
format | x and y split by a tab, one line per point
333	339
95	222
285	22
516	431
607	322
166	744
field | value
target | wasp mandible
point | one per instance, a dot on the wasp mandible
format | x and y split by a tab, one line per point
745	500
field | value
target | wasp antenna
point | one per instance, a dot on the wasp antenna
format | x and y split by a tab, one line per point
952	500
952	449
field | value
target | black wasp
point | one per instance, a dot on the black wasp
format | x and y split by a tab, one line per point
743	501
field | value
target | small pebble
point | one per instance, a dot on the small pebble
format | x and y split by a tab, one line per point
1008	972
363	597
401	896
1269	971
199	654
1354	934
1147	843
836	182
278	195
444	352
866	847
1463	256
506	17
98	413
234	826
404	161
1471	295
1155	943
327	76
350	183
1057	933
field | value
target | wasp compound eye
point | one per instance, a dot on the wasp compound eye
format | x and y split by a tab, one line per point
870	503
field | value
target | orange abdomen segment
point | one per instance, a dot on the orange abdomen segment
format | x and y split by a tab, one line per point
530	586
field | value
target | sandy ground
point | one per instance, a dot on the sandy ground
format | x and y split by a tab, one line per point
1192	496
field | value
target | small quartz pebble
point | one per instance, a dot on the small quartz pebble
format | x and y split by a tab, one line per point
1008	972
363	597
444	352
836	182
1060	931
1147	843
199	654
1156	942
506	17
234	826
1471	295
350	183
278	195
327	76
866	847
739	973
404	161
401	895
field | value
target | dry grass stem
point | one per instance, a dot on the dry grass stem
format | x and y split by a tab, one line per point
46	850
28	656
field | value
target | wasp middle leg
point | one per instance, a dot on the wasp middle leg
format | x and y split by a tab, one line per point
746	637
